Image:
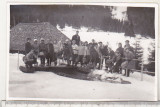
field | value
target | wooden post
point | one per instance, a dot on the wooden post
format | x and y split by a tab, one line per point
18	61
101	64
126	72
142	71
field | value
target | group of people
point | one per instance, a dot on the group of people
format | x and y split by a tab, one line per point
75	53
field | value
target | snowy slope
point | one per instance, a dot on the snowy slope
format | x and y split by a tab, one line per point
52	86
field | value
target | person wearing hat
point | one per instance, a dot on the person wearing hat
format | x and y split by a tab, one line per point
42	51
120	49
76	37
127	45
28	46
117	62
128	63
30	59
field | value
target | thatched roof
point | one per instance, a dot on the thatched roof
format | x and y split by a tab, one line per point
21	31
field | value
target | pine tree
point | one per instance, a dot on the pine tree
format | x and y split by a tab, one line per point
138	53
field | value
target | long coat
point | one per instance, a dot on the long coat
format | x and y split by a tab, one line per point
129	63
28	47
42	48
67	51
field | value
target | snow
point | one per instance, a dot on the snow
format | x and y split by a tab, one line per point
51	86
111	38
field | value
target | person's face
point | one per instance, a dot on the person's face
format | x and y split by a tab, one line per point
69	42
35	42
119	45
77	32
86	43
73	42
96	46
42	41
127	43
100	44
93	40
28	40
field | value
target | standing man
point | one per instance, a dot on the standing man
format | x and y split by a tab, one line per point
127	45
49	52
28	46
76	37
42	52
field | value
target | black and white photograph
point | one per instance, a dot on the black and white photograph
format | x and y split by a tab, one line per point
82	52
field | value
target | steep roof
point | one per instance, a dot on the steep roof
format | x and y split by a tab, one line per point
21	31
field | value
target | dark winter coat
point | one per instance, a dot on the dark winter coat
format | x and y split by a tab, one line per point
130	48
36	48
94	54
28	47
49	48
102	50
42	48
67	51
106	50
121	51
76	38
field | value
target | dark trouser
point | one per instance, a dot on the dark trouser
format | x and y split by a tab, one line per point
127	72
42	58
117	66
74	57
100	63
49	58
109	64
87	59
80	59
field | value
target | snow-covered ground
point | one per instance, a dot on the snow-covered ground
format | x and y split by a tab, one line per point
51	86
110	38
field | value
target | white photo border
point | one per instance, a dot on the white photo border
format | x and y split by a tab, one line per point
154	5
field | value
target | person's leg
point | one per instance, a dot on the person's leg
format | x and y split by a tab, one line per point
47	61
128	73
81	59
43	59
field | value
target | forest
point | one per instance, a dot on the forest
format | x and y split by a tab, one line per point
97	17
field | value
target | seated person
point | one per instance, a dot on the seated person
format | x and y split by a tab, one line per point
117	62
128	63
110	60
30	59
